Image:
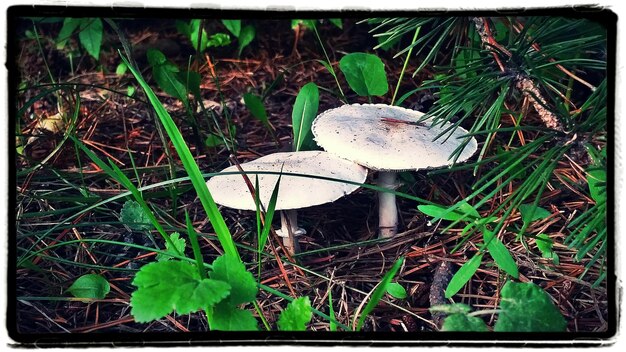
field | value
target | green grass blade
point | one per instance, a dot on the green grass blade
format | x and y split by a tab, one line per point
379	291
215	217
195	246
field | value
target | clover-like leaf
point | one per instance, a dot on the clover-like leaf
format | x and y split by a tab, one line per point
179	245
296	315
163	287
133	216
231	270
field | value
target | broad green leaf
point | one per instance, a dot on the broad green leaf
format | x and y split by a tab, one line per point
121	69
213	141
69	26
255	105
296	315
194	34
163	287
337	22
396	290
365	74
462	276
464	58
179	244
133	216
90	286
90	35
166	74
500	253
233	26
463	322
228	318
379	291
245	37
233	271
218	39
502	31
525	307
531	213
303	114
596	178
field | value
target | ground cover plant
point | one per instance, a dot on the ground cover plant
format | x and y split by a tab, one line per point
119	122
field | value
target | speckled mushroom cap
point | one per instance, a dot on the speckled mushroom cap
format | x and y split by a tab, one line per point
295	192
387	138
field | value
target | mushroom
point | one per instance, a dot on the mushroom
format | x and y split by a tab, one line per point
388	139
295	192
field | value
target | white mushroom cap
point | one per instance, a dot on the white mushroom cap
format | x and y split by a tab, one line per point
294	192
367	135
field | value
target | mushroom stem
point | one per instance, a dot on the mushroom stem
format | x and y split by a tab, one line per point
289	230
387	211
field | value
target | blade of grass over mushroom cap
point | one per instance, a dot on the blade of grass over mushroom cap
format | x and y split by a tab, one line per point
229	189
216	219
388	139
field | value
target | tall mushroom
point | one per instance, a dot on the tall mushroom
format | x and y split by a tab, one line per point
388	139
295	192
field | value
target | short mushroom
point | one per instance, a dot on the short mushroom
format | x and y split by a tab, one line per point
294	192
388	139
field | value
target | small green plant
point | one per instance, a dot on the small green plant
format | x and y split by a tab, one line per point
90	286
199	37
89	33
498	251
524	307
244	35
302	116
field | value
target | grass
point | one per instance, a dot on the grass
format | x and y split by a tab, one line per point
68	208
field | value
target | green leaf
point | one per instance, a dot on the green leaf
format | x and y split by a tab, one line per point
439	212
218	39
213	141
304	23
462	276
183	28
531	213
233	26
396	290
500	253
131	90
245	37
194	33
596	178
90	35
228	318
163	287
133	216
303	114
166	74
365	74
231	270
379	291
255	105
502	31
121	69
337	22
525	307
463	322
91	286
544	244
69	26
179	244
296	316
